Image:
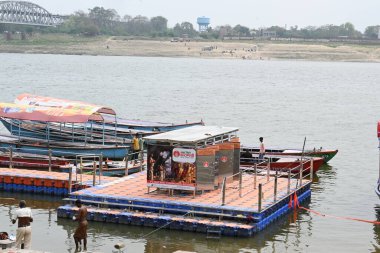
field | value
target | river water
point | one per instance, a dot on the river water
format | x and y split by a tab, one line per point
333	105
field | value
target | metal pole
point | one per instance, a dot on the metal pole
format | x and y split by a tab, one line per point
289	180
70	180
240	182
126	163
48	132
141	160
301	172
19	130
268	168
49	152
94	174
100	168
275	186
81	166
255	177
260	195
115	127
85	134
224	191
10	157
311	169
103	132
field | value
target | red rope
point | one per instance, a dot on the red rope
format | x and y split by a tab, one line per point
296	205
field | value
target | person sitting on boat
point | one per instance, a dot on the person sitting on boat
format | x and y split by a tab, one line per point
262	148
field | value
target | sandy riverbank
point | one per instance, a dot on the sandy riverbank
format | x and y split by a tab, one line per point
251	50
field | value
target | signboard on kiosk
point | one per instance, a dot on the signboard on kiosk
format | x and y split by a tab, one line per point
170	167
184	155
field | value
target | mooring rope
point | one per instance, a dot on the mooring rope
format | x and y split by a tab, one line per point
144	236
293	203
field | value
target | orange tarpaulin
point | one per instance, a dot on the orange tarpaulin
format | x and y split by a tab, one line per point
34	100
47	114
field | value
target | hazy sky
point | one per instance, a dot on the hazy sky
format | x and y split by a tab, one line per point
251	13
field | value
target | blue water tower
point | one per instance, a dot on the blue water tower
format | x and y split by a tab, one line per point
203	23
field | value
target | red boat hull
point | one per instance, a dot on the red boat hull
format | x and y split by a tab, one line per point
293	166
26	162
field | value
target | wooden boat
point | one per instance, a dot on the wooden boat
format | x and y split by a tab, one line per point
51	114
32	161
326	154
55	132
120	125
282	163
61	149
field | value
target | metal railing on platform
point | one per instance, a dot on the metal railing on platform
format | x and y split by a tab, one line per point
269	188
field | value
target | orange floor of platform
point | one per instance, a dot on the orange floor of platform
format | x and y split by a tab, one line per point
135	186
59	176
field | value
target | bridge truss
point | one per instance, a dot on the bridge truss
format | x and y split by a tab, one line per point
27	13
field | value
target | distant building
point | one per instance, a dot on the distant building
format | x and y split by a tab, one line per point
268	34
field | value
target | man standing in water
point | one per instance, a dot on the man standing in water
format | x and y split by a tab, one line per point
24	232
81	231
262	149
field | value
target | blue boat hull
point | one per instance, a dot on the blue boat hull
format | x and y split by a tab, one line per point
115	153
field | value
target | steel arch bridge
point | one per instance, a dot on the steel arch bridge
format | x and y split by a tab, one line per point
27	13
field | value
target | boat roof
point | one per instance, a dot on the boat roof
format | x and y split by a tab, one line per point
192	134
30	99
47	114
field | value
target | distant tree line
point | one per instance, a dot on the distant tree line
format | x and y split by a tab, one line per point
100	21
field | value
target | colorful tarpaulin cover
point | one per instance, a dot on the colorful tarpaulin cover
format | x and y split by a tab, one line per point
47	114
30	99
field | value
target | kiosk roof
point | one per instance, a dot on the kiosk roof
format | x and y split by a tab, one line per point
192	134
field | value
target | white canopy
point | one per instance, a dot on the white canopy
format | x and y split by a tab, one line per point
192	134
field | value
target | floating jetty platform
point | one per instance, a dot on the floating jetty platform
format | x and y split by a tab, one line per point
194	182
127	201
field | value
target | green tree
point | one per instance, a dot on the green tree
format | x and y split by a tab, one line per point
240	30
159	24
372	32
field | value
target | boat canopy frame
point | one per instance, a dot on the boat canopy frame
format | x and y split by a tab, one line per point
50	114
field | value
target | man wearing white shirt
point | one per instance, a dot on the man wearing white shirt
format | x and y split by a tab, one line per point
24	231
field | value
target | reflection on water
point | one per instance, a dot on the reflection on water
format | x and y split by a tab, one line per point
376	229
